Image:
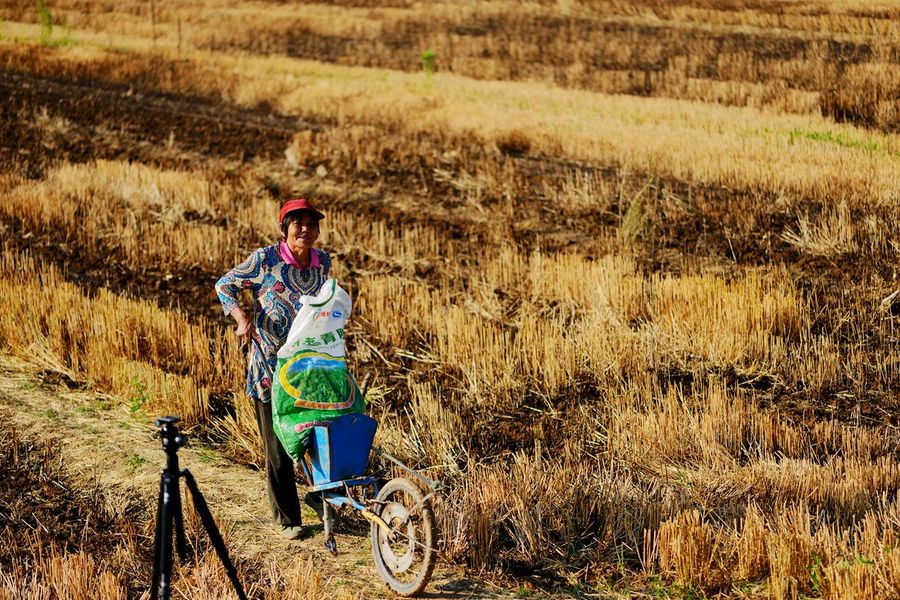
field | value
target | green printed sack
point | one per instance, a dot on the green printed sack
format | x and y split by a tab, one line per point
311	384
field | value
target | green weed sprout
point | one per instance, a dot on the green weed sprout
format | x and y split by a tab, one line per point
65	40
139	396
46	21
428	62
831	138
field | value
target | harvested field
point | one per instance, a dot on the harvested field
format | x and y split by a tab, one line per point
624	272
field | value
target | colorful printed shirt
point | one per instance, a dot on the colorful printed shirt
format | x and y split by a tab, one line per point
276	286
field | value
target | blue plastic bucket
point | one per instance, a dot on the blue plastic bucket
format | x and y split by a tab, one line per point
341	450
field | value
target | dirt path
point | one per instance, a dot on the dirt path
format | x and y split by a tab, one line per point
103	442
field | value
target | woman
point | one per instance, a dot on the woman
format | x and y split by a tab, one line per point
277	275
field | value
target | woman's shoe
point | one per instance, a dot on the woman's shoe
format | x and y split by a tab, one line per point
292	532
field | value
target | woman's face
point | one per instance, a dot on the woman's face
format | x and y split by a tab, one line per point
302	233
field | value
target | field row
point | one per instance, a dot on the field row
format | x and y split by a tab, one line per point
195	223
829	59
807	156
702	181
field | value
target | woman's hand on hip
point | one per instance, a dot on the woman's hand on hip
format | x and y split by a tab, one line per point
244	329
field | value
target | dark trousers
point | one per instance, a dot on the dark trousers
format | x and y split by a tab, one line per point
279	470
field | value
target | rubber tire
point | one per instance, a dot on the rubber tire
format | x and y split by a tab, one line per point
414	587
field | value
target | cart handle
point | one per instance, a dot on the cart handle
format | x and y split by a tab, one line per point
434	485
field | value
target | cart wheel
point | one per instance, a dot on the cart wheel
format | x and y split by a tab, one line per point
405	555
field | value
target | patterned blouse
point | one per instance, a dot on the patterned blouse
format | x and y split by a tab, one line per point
277	287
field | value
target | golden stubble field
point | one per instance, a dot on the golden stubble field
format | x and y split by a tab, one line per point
622	270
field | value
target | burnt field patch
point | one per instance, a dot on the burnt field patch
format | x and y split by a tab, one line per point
95	121
518	46
43	509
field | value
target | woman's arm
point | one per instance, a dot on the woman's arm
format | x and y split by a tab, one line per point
247	275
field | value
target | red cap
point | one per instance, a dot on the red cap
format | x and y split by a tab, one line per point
298	204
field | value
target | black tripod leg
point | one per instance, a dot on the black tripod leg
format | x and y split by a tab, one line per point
157	544
178	518
162	561
215	537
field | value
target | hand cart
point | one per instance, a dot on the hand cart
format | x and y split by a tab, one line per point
400	513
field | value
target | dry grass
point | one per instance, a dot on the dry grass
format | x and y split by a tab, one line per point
747	54
157	359
726	425
73	575
529	328
702	143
